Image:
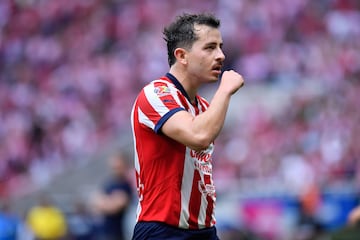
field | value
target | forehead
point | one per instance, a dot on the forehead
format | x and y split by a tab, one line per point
207	34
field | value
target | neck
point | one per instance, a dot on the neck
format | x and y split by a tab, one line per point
190	87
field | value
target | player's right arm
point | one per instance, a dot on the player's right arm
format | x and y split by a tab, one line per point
200	131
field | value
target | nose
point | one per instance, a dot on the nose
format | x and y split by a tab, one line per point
220	55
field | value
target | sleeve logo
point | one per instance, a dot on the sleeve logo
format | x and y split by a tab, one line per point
162	91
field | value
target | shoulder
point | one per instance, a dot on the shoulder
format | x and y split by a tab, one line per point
157	93
160	87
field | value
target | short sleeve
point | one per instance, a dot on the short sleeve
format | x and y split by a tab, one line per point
156	103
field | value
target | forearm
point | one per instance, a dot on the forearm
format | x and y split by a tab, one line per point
198	132
207	126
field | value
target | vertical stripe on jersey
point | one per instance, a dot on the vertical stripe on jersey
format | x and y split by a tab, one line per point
186	188
135	119
195	200
205	217
210	202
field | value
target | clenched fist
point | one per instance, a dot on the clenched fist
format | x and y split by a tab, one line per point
231	81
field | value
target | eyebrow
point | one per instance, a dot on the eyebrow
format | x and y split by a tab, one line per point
214	43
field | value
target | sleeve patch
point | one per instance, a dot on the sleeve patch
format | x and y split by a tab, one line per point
162	91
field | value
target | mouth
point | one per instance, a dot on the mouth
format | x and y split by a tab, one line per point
216	69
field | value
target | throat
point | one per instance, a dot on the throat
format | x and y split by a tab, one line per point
194	101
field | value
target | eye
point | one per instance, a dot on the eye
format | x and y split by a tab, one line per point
211	47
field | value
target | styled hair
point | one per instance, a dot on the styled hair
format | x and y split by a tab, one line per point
180	33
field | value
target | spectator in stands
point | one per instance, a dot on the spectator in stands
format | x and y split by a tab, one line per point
112	201
59	65
8	222
46	220
351	230
354	216
80	222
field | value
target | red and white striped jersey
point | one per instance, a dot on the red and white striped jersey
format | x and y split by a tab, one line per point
174	182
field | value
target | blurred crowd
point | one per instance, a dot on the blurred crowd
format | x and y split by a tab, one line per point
310	51
69	72
47	219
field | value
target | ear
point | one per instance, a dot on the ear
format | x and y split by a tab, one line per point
180	55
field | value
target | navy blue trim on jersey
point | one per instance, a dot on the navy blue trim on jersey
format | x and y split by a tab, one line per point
161	122
162	231
179	86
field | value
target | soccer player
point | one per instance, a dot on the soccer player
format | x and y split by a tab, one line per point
174	131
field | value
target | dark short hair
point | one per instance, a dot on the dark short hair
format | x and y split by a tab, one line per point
180	33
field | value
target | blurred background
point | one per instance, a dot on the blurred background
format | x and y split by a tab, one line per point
287	161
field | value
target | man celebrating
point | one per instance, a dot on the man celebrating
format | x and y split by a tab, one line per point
174	131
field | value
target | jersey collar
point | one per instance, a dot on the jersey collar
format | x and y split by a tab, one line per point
179	86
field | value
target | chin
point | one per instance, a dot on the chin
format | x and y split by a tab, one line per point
211	79
215	78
